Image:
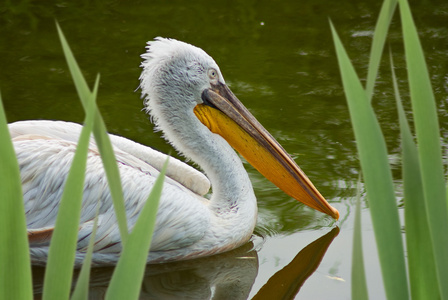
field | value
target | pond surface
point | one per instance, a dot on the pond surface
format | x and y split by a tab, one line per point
278	58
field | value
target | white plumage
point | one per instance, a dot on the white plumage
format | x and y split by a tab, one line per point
174	78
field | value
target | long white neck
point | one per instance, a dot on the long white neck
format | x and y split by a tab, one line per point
231	185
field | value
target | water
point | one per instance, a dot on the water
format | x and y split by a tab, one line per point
278	58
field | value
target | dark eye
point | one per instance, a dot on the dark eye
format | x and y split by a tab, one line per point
212	74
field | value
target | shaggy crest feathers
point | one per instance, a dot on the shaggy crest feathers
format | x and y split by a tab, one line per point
163	54
172	80
169	66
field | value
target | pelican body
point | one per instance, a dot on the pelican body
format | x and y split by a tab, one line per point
187	98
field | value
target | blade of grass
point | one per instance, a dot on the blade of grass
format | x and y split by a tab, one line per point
378	178
428	137
81	290
422	275
379	38
359	284
128	274
102	141
15	273
59	270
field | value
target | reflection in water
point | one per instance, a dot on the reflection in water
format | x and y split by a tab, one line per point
228	275
225	276
286	283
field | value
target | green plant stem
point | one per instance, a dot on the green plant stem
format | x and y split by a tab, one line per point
428	138
15	266
378	178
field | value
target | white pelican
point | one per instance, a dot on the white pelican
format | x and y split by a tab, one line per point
187	98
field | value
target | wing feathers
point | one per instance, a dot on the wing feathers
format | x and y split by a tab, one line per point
177	170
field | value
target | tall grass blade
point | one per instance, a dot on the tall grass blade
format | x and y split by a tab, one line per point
379	38
82	284
128	274
428	138
359	283
102	140
378	178
422	274
81	290
59	271
15	270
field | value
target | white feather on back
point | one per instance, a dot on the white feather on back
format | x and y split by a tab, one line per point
45	159
177	170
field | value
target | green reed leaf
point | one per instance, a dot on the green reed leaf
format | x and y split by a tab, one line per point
379	38
428	139
422	275
15	270
378	178
128	274
359	283
81	290
59	270
102	141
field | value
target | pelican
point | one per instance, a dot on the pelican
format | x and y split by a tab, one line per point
189	101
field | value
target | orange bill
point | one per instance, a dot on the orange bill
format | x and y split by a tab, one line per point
225	115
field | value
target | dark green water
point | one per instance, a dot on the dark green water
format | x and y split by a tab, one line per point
278	58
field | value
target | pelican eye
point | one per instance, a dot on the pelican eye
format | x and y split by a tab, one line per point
213	74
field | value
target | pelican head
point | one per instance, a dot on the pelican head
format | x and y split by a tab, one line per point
188	100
